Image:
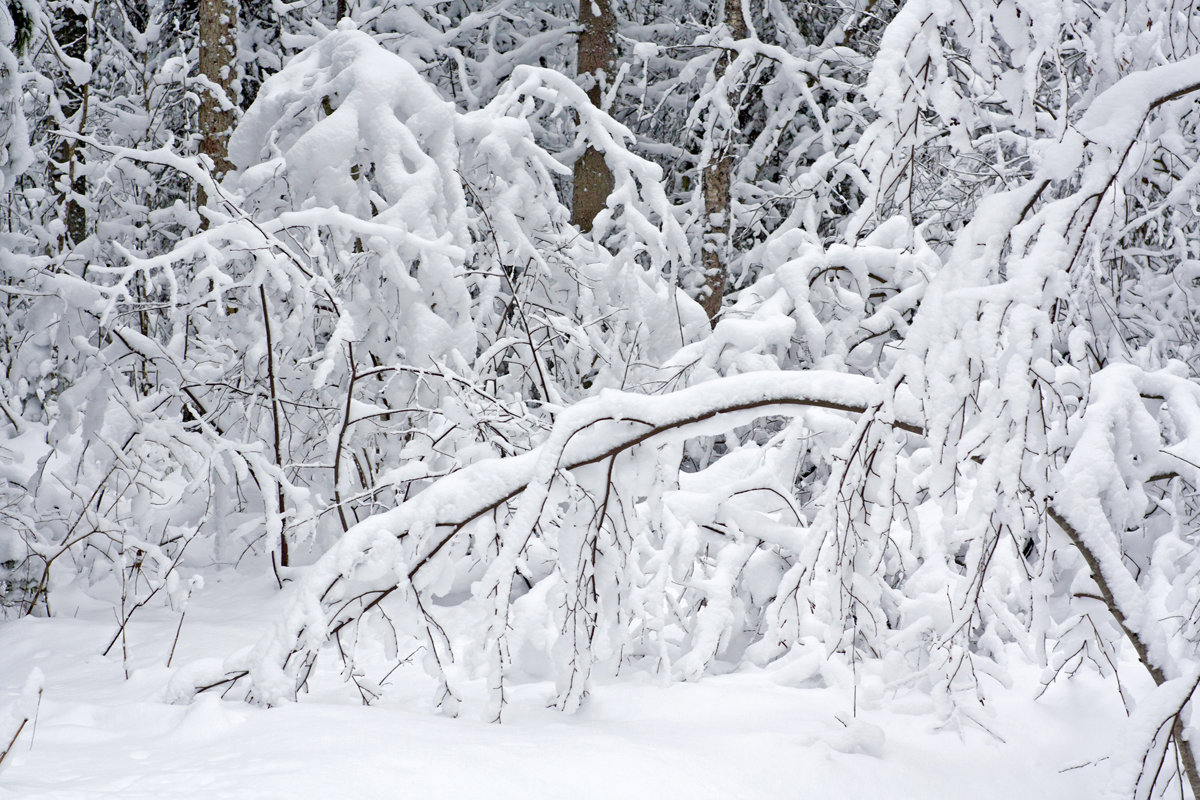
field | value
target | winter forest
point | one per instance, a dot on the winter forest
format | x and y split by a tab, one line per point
730	398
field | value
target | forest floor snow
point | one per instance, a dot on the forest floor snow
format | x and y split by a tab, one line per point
100	734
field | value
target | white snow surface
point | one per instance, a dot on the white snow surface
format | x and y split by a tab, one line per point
753	734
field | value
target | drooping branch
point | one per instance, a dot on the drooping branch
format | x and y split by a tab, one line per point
591	432
1140	646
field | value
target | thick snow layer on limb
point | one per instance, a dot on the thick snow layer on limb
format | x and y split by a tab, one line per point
348	134
1101	495
15	154
1144	744
403	541
639	218
1114	117
594	429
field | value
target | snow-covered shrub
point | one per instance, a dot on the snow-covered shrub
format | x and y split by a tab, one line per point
385	289
945	421
921	459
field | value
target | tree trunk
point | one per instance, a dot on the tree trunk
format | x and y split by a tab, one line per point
71	31
218	25
597	58
716	181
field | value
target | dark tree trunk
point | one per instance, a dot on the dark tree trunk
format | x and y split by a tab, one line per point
597	58
71	31
218	25
716	183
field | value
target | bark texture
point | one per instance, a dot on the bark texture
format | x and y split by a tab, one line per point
218	21
71	31
716	180
597	58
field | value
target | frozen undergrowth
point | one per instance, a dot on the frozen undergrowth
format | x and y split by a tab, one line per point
942	432
758	734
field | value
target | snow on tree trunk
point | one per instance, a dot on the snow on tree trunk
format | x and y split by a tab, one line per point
16	25
218	97
72	32
715	180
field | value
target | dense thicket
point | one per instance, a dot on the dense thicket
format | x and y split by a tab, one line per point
868	345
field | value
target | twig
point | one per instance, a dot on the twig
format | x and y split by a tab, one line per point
175	642
13	740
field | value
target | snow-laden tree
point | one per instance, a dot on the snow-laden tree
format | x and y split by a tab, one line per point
385	289
945	419
752	109
75	470
467	48
16	24
922	455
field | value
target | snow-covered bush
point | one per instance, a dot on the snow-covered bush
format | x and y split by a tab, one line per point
945	420
916	461
385	289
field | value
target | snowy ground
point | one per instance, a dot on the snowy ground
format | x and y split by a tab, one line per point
745	735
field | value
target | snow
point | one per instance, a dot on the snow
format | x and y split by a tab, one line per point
937	447
1114	118
746	735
